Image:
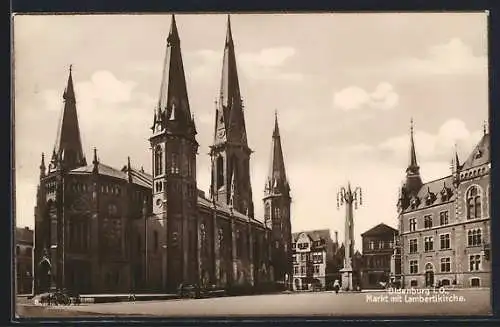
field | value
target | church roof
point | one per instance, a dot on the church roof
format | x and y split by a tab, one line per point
224	208
138	177
144	179
480	155
379	229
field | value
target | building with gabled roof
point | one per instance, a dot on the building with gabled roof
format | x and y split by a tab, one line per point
444	224
101	229
316	259
378	247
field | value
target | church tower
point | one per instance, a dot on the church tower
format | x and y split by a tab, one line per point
50	222
174	149
413	179
277	210
230	153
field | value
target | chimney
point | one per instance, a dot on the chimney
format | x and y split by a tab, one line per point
336	237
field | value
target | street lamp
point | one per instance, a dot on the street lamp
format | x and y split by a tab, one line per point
349	198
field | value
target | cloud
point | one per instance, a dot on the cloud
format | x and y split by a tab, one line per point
105	87
269	64
351	98
436	148
270	57
451	58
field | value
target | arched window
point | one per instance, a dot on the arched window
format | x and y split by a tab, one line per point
220	171
277	213
473	200
158	161
267	212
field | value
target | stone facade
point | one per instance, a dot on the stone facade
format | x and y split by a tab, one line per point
444	225
100	229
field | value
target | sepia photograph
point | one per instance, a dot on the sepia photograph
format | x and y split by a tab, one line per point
251	165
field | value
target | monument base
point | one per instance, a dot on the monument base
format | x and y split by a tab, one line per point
347	284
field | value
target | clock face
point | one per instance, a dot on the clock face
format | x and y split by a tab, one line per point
159	203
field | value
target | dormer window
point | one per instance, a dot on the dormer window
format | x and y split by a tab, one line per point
444	195
414	202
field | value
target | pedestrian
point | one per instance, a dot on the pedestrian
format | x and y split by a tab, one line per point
336	286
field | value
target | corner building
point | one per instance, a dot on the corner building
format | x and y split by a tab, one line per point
444	224
100	229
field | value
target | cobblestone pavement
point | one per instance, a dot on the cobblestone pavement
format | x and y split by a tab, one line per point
460	302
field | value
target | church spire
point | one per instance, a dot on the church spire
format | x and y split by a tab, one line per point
42	166
230	120
68	147
230	88
413	180
413	155
277	182
457	160
172	111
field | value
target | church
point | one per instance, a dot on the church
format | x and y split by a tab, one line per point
102	229
444	224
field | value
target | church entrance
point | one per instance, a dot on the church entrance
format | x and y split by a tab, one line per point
44	275
429	275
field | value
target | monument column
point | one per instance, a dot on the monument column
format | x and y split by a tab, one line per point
350	199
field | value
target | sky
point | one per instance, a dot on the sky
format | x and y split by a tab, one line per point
345	87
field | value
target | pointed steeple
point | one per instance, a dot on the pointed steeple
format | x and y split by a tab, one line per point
230	120
42	166
277	182
413	180
95	162
457	160
172	111
129	170
68	149
230	87
413	155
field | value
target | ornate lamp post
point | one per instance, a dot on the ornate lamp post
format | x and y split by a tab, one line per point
351	199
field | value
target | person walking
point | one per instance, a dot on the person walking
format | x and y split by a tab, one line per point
336	286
